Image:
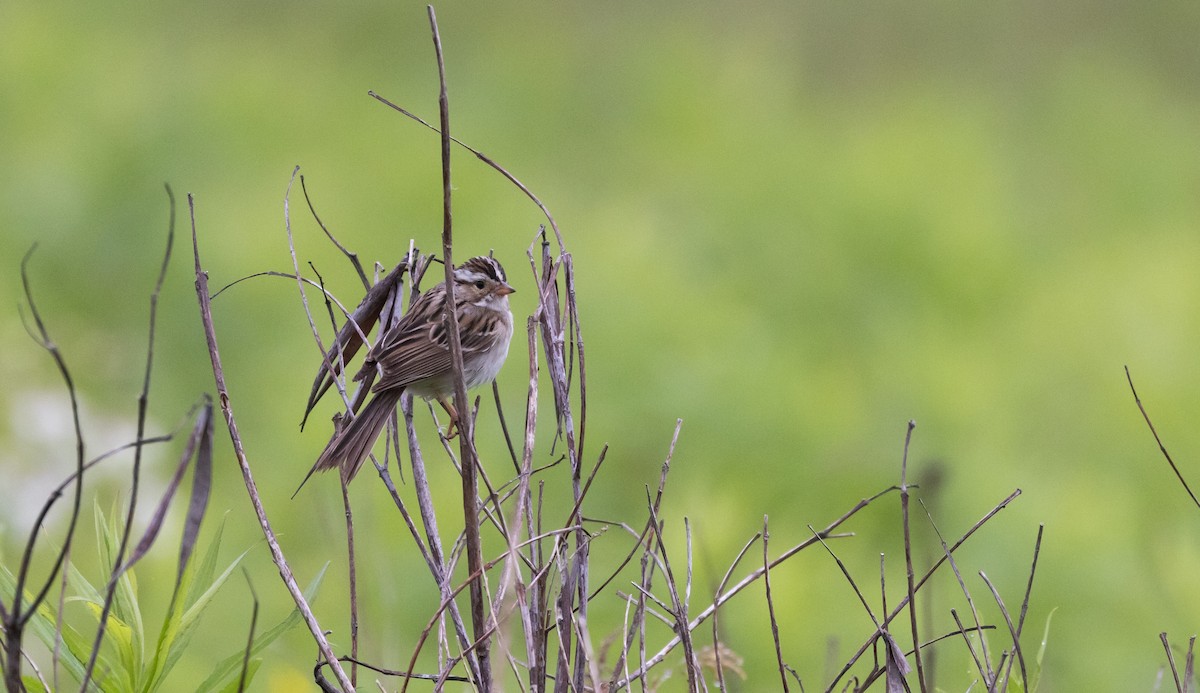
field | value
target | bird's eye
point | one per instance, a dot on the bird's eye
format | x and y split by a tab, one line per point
479	284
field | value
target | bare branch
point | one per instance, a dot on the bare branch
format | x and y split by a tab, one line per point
285	571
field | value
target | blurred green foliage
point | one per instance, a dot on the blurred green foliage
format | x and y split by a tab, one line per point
795	225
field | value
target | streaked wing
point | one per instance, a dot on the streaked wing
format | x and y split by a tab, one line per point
413	355
418	348
476	330
410	352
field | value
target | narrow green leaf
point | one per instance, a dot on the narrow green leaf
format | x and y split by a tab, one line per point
195	608
82	586
1037	674
198	574
43	624
191	616
121	635
124	606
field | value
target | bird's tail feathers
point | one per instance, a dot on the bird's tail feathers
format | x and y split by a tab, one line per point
350	447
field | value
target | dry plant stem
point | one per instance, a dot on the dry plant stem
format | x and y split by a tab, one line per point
766	541
636	628
1037	550
482	157
984	665
448	602
530	599
970	647
351	256
677	609
249	640
300	281
1004	659
743	584
14	617
908	561
668	620
287	223
1016	632
285	572
469	458
957	632
647	573
352	576
687	531
1012	631
574	578
575	328
1189	667
1179	685
37	672
892	651
1162	448
716	600
397	672
577	331
928	574
436	558
135	474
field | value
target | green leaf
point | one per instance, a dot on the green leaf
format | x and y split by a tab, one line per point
169	636
1037	674
191	616
124	602
43	625
81	585
121	636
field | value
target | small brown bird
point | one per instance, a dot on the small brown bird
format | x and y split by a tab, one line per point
415	356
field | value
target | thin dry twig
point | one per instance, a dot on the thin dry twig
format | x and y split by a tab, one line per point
745	582
1180	685
350	255
470	458
1012	631
928	574
716	599
677	608
135	473
766	555
285	571
908	559
1162	448
14	617
243	679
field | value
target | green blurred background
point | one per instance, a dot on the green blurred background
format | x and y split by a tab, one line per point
796	226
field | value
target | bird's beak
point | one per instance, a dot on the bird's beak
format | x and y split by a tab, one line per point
505	290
